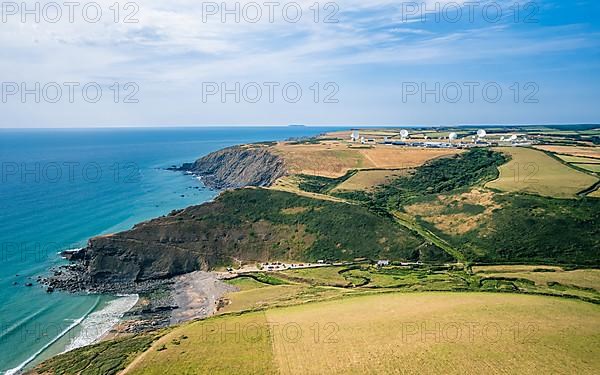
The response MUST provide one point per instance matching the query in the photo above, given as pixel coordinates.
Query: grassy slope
(106, 358)
(221, 345)
(535, 229)
(526, 228)
(517, 228)
(341, 231)
(386, 333)
(194, 345)
(253, 225)
(532, 171)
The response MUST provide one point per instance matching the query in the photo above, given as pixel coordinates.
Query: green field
(578, 159)
(532, 171)
(542, 275)
(246, 283)
(589, 167)
(319, 276)
(389, 333)
(370, 315)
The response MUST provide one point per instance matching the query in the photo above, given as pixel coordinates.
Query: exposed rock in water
(237, 166)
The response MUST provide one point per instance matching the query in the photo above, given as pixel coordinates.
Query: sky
(348, 62)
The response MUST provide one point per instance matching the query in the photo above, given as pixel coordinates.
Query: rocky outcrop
(196, 238)
(238, 166)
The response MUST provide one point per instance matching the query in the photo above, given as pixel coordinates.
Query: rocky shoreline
(161, 302)
(166, 276)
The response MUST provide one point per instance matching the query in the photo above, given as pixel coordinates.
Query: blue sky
(546, 62)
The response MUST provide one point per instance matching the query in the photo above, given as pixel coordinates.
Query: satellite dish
(426, 137)
(513, 137)
(452, 136)
(502, 138)
(404, 133)
(481, 133)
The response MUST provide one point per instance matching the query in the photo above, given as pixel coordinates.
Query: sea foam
(98, 323)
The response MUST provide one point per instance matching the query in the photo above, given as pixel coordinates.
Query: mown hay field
(532, 171)
(395, 333)
(212, 346)
(334, 159)
(578, 159)
(368, 179)
(591, 152)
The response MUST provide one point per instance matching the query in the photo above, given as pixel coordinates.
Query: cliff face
(196, 238)
(243, 225)
(238, 166)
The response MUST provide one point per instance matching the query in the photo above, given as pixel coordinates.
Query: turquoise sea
(59, 187)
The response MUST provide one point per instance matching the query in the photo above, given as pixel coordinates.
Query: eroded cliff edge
(242, 225)
(238, 166)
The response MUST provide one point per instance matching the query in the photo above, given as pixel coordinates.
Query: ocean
(59, 187)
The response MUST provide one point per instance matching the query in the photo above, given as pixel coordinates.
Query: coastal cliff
(244, 225)
(238, 166)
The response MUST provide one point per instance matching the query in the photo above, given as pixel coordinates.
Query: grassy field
(583, 278)
(319, 276)
(221, 345)
(334, 159)
(456, 214)
(246, 283)
(578, 159)
(373, 316)
(291, 184)
(532, 171)
(592, 152)
(106, 358)
(312, 284)
(389, 333)
(589, 167)
(367, 180)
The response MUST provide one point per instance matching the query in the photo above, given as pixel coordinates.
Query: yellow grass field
(532, 171)
(394, 333)
(585, 278)
(290, 184)
(456, 223)
(594, 194)
(334, 159)
(366, 180)
(578, 159)
(592, 152)
(211, 347)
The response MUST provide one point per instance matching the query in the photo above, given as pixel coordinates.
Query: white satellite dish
(452, 136)
(481, 133)
(513, 137)
(502, 138)
(404, 133)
